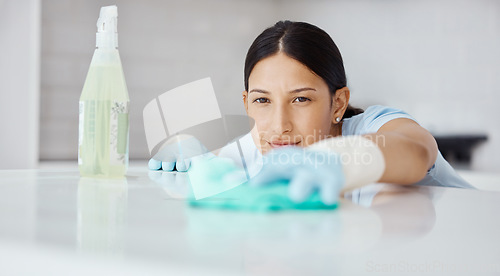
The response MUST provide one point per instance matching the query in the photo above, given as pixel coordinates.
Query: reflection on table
(143, 224)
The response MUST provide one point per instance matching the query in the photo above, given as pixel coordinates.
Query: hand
(180, 164)
(306, 170)
(177, 153)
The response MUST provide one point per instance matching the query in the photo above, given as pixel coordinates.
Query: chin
(264, 150)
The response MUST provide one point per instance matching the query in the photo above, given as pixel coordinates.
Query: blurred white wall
(19, 83)
(163, 44)
(438, 60)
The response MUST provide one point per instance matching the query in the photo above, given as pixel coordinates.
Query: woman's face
(289, 103)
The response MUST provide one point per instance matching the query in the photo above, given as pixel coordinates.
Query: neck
(336, 130)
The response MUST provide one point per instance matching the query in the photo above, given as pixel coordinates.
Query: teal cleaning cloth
(219, 183)
(260, 199)
(212, 176)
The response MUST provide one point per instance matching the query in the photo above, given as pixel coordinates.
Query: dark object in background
(457, 149)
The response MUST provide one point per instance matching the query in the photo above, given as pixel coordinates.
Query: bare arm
(409, 150)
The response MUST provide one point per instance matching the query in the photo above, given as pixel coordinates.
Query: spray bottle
(104, 104)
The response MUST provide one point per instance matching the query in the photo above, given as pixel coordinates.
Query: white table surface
(52, 222)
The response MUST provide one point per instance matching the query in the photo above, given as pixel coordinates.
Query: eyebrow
(293, 91)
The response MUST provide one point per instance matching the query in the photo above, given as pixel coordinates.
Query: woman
(296, 91)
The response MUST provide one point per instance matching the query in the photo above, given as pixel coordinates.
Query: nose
(282, 122)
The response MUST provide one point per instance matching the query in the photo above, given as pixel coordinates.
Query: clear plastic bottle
(104, 104)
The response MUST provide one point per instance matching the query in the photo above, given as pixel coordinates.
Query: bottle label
(118, 140)
(81, 113)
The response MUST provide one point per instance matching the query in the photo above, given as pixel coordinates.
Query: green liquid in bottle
(103, 124)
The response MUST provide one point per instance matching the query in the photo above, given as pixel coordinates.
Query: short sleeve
(372, 120)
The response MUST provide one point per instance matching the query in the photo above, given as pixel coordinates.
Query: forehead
(283, 71)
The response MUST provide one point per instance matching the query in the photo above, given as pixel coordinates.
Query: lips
(281, 143)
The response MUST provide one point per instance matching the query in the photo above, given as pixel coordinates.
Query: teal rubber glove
(306, 171)
(180, 164)
(177, 154)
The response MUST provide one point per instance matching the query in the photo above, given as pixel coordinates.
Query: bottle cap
(107, 34)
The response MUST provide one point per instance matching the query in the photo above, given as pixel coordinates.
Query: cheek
(261, 122)
(261, 118)
(315, 126)
(256, 139)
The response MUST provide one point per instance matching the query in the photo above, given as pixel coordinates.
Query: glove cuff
(362, 160)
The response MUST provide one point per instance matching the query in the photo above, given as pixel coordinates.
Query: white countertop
(52, 222)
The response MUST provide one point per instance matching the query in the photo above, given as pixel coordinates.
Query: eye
(261, 100)
(301, 99)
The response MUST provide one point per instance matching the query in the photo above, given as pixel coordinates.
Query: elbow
(421, 166)
(409, 161)
(425, 157)
(416, 165)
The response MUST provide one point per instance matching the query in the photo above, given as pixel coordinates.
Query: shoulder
(372, 119)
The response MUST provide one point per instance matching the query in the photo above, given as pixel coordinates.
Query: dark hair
(307, 44)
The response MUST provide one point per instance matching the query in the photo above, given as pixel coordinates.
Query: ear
(340, 101)
(245, 100)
